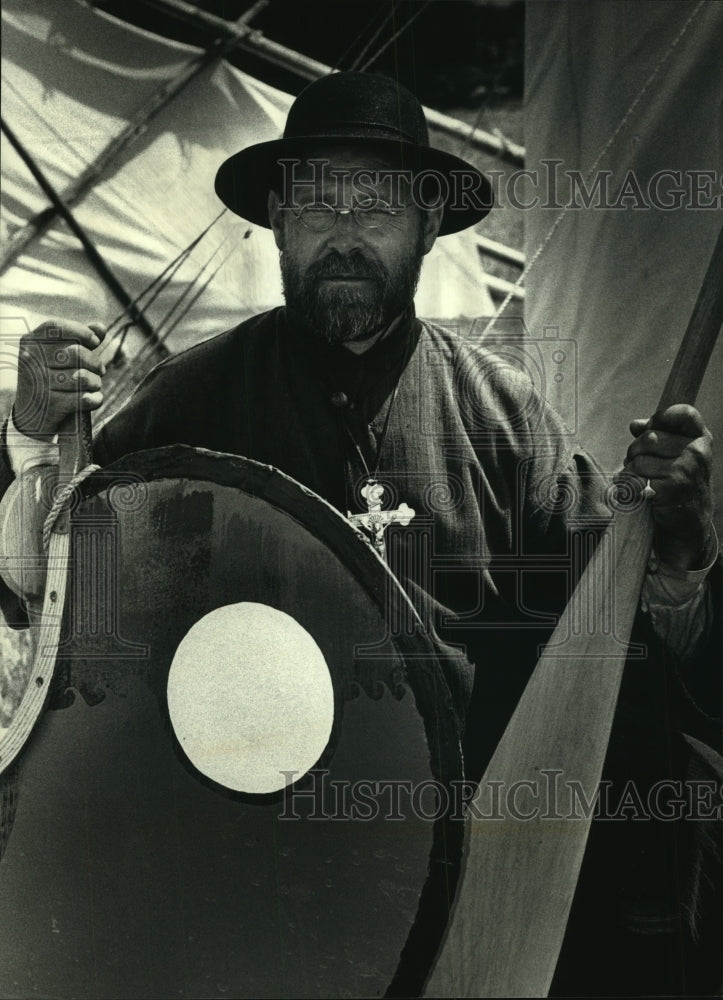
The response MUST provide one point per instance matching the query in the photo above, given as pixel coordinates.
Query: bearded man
(344, 388)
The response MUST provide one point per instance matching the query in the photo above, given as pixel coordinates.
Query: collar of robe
(366, 379)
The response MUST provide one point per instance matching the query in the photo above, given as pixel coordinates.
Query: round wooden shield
(242, 786)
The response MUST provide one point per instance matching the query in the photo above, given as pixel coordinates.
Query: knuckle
(699, 454)
(679, 477)
(92, 400)
(26, 354)
(67, 354)
(50, 326)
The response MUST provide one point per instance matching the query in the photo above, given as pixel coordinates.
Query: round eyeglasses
(319, 216)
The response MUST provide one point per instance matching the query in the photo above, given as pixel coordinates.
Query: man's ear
(276, 219)
(431, 221)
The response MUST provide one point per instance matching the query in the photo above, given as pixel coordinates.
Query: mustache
(353, 264)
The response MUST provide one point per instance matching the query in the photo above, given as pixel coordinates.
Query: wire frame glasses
(319, 216)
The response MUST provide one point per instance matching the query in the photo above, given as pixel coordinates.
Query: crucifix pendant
(374, 520)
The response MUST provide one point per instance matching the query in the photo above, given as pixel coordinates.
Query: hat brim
(244, 180)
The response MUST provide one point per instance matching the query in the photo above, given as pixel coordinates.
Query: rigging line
(172, 266)
(120, 386)
(405, 26)
(160, 282)
(621, 124)
(163, 279)
(197, 296)
(483, 105)
(145, 351)
(157, 285)
(122, 333)
(355, 40)
(380, 28)
(189, 286)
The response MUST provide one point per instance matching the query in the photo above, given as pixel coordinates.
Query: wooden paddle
(511, 911)
(22, 526)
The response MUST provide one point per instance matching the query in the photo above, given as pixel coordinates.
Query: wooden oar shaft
(510, 917)
(514, 899)
(76, 444)
(699, 340)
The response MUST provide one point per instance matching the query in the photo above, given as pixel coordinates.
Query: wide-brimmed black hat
(374, 112)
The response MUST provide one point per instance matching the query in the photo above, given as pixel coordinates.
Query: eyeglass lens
(319, 216)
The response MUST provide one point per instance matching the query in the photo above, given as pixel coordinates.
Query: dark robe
(507, 508)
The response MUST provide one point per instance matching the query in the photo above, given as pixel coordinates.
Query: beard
(348, 313)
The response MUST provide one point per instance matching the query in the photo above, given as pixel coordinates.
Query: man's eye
(373, 218)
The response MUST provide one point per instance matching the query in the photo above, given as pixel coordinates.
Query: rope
(377, 33)
(146, 351)
(161, 280)
(160, 283)
(475, 125)
(157, 285)
(178, 304)
(395, 36)
(623, 121)
(355, 41)
(63, 495)
(483, 105)
(192, 301)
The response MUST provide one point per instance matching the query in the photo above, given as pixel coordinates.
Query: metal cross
(375, 520)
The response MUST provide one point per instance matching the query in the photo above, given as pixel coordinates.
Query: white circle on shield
(250, 698)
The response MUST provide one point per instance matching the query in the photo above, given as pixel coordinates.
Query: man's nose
(346, 234)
